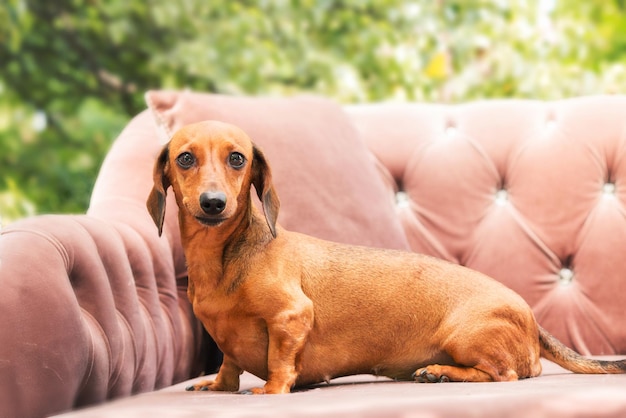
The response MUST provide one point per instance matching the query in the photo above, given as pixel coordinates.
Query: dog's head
(211, 166)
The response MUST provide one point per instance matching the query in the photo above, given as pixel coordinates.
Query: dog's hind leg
(443, 373)
(501, 359)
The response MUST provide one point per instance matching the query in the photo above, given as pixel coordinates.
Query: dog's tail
(555, 351)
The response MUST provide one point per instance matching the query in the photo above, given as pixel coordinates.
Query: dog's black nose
(213, 203)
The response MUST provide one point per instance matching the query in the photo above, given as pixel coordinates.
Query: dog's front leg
(227, 379)
(288, 333)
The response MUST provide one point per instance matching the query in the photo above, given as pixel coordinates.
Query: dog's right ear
(156, 199)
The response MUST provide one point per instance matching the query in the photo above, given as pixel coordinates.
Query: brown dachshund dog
(296, 310)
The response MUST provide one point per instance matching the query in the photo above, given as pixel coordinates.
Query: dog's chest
(239, 335)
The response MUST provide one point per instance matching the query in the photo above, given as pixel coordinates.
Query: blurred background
(73, 72)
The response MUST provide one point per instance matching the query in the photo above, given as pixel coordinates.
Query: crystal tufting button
(566, 276)
(450, 130)
(502, 197)
(402, 200)
(608, 189)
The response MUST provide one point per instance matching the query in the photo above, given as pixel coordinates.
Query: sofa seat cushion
(557, 393)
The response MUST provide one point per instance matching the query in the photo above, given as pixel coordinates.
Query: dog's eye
(185, 160)
(236, 160)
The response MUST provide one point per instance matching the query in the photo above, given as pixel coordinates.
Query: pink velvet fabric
(94, 306)
(531, 193)
(557, 393)
(90, 308)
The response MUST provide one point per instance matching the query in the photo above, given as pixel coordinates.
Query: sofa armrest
(89, 310)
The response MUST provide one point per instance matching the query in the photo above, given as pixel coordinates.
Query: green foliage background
(72, 72)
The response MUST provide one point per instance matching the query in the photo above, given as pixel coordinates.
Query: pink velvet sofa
(93, 307)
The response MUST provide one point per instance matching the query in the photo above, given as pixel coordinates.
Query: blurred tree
(72, 72)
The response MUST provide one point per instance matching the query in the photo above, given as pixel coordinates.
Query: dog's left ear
(156, 199)
(262, 180)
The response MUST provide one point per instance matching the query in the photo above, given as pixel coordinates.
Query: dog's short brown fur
(296, 310)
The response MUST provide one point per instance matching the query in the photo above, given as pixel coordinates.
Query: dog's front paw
(264, 391)
(268, 389)
(430, 374)
(205, 385)
(253, 391)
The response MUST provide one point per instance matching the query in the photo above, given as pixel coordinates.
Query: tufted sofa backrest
(531, 193)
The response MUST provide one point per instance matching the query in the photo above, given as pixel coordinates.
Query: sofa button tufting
(608, 189)
(502, 197)
(402, 200)
(566, 276)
